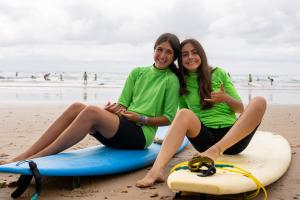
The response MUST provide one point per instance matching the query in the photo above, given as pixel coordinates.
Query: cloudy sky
(257, 36)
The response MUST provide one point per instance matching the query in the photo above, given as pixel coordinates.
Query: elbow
(167, 122)
(240, 108)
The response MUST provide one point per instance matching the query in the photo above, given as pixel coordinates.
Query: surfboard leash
(207, 167)
(24, 181)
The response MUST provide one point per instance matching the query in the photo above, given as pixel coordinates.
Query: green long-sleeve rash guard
(220, 115)
(151, 92)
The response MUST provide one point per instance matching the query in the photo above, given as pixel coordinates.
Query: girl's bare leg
(60, 124)
(250, 118)
(91, 117)
(185, 123)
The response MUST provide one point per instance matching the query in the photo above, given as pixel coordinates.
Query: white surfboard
(267, 157)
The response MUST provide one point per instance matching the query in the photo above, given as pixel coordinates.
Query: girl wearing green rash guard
(149, 99)
(207, 117)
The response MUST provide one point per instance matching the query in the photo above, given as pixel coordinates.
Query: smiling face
(190, 57)
(163, 55)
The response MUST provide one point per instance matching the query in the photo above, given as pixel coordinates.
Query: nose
(163, 53)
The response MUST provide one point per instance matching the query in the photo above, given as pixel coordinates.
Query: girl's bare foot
(3, 162)
(150, 179)
(213, 152)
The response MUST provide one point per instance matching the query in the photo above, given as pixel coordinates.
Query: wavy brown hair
(204, 74)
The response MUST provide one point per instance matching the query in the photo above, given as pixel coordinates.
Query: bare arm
(149, 121)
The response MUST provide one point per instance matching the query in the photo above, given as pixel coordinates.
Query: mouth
(191, 63)
(161, 62)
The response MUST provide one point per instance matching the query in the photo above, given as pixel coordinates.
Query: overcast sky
(253, 36)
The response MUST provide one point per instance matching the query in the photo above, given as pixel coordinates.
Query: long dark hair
(204, 74)
(175, 44)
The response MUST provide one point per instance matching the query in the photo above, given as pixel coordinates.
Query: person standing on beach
(149, 99)
(207, 117)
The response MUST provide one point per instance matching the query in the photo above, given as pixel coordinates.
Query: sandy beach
(21, 124)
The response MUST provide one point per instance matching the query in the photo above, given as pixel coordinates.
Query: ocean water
(101, 87)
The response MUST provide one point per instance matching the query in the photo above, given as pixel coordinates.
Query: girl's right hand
(114, 108)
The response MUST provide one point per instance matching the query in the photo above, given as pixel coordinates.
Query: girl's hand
(114, 108)
(131, 116)
(218, 97)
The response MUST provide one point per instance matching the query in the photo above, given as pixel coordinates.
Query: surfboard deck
(97, 160)
(267, 157)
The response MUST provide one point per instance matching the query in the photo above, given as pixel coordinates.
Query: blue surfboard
(97, 160)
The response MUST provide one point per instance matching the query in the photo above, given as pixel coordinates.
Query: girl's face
(163, 55)
(190, 57)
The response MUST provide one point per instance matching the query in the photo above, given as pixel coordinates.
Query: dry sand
(21, 124)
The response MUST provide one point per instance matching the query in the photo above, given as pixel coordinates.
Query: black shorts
(209, 136)
(128, 136)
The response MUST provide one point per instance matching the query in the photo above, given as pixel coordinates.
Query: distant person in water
(46, 77)
(271, 80)
(249, 79)
(85, 78)
(149, 99)
(207, 116)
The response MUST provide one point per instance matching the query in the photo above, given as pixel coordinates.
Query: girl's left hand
(218, 97)
(131, 116)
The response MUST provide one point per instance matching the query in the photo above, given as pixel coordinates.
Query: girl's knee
(184, 112)
(92, 112)
(92, 109)
(77, 106)
(186, 115)
(260, 103)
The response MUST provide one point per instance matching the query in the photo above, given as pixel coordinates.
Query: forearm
(236, 105)
(155, 121)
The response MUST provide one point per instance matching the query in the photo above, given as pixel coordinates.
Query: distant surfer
(249, 79)
(85, 78)
(271, 80)
(46, 77)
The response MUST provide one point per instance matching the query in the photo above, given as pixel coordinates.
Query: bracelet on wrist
(143, 120)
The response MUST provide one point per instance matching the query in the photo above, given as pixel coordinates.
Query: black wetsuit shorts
(128, 136)
(209, 136)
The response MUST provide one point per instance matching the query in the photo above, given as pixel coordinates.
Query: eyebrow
(189, 51)
(171, 50)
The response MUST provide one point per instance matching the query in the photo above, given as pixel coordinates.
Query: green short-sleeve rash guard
(220, 115)
(151, 92)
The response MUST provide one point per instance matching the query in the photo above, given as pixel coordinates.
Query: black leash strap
(24, 181)
(204, 165)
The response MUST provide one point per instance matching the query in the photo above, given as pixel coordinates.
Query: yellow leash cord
(230, 168)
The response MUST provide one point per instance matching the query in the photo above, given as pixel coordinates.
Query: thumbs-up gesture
(218, 97)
